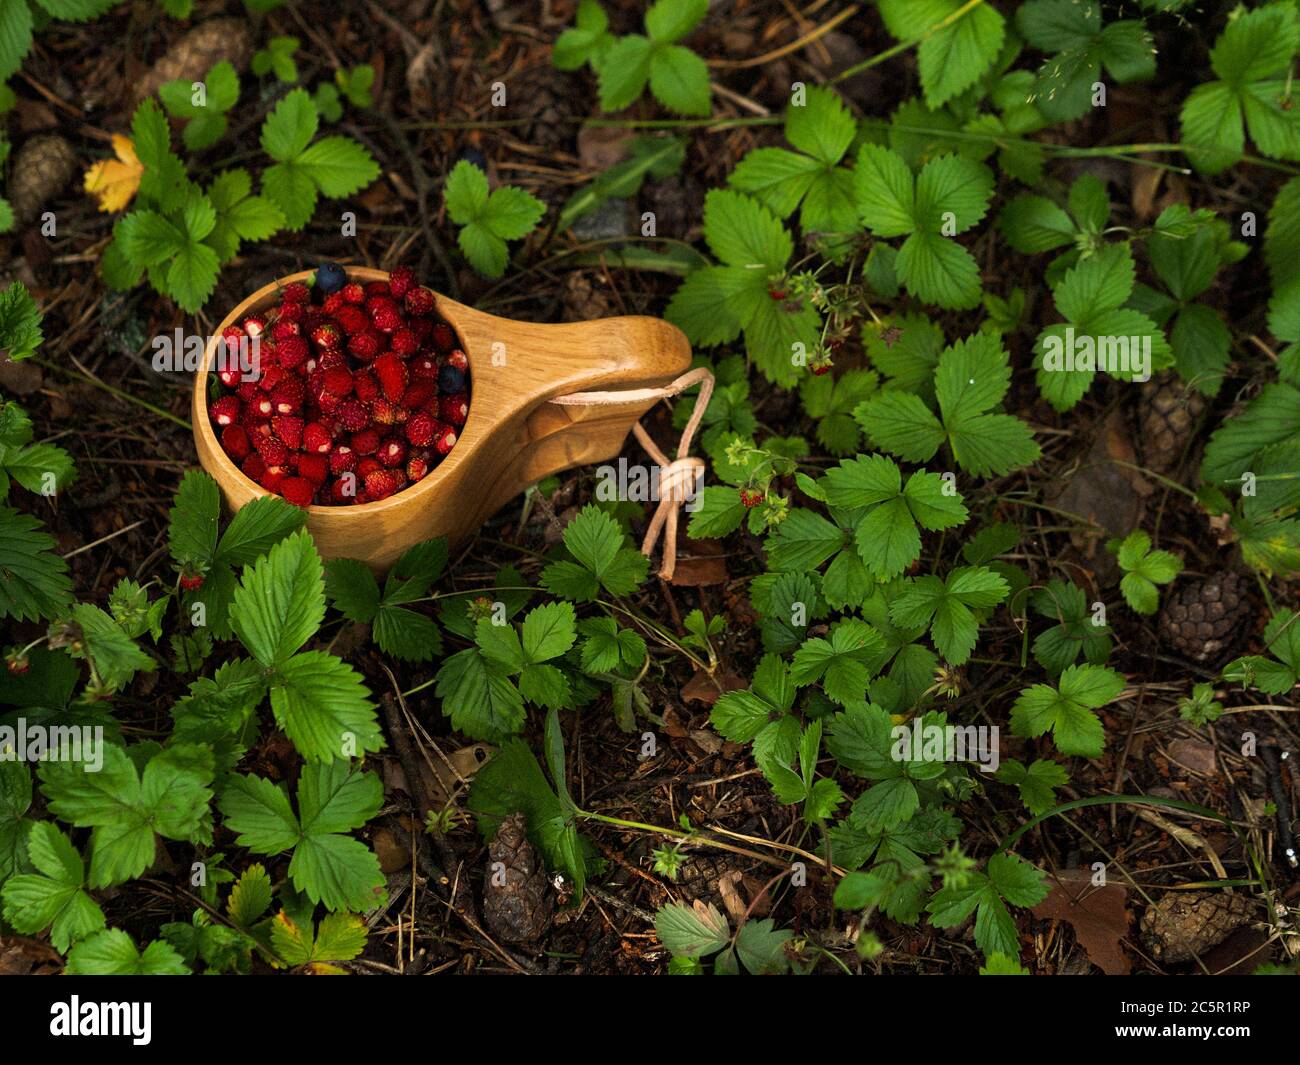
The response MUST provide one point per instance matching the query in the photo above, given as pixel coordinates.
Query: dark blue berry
(451, 379)
(330, 277)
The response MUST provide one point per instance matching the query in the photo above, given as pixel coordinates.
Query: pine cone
(1168, 417)
(517, 897)
(1203, 620)
(540, 96)
(1185, 924)
(199, 51)
(41, 171)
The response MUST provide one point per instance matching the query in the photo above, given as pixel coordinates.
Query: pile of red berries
(362, 390)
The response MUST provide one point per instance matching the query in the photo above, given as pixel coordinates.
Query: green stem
(903, 46)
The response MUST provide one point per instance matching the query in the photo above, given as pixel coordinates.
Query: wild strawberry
(191, 579)
(288, 429)
(313, 467)
(392, 376)
(297, 490)
(416, 469)
(333, 303)
(365, 442)
(450, 379)
(292, 352)
(424, 368)
(234, 438)
(225, 411)
(387, 318)
(376, 288)
(291, 312)
(254, 467)
(332, 360)
(352, 319)
(403, 343)
(273, 450)
(382, 483)
(344, 490)
(354, 292)
(420, 394)
(327, 336)
(260, 408)
(288, 396)
(367, 466)
(392, 452)
(443, 338)
(421, 327)
(328, 402)
(353, 415)
(230, 375)
(385, 412)
(458, 359)
(271, 376)
(365, 385)
(420, 300)
(295, 292)
(342, 458)
(315, 437)
(778, 294)
(454, 408)
(283, 329)
(365, 346)
(401, 281)
(751, 497)
(17, 662)
(254, 325)
(273, 478)
(421, 429)
(337, 381)
(445, 440)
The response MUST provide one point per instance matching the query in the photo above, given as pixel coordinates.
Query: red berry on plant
(751, 497)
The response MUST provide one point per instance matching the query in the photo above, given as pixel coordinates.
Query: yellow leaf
(114, 181)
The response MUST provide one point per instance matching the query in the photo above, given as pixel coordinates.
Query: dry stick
(794, 46)
(459, 899)
(422, 184)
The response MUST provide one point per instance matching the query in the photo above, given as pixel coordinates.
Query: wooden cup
(512, 438)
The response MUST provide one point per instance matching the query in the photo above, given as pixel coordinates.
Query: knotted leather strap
(677, 478)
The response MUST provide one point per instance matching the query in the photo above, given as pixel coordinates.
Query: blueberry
(330, 277)
(473, 155)
(451, 379)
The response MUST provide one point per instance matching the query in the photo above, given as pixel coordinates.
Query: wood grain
(513, 437)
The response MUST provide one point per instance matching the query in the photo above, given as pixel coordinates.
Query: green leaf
(290, 127)
(126, 809)
(324, 707)
(1067, 711)
(112, 953)
(596, 541)
(1037, 783)
(692, 932)
(957, 43)
(338, 166)
(327, 865)
(840, 662)
(478, 697)
(679, 79)
(20, 323)
(280, 602)
(15, 35)
(624, 71)
(53, 897)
